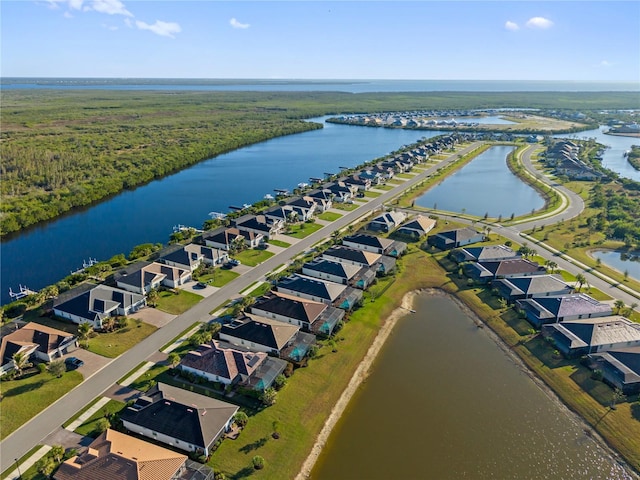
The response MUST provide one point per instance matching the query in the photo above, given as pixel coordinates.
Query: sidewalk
(28, 463)
(85, 416)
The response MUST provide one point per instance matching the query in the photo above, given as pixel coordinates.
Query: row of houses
(563, 156)
(412, 119)
(282, 326)
(576, 323)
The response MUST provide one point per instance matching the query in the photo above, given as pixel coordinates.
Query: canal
(443, 402)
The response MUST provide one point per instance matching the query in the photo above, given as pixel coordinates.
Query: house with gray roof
(490, 253)
(458, 237)
(261, 334)
(151, 276)
(100, 302)
(375, 244)
(316, 317)
(323, 199)
(576, 306)
(189, 257)
(580, 337)
(387, 221)
(260, 225)
(516, 288)
(182, 419)
(310, 288)
(303, 207)
(515, 267)
(332, 271)
(620, 368)
(341, 192)
(225, 238)
(416, 228)
(351, 256)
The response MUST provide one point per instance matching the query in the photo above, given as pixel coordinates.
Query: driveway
(67, 439)
(92, 361)
(154, 317)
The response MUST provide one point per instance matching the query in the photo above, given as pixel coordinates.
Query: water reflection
(621, 261)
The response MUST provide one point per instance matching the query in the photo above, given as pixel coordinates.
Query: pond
(621, 261)
(484, 186)
(444, 402)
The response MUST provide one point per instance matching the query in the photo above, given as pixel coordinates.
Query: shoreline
(360, 374)
(363, 370)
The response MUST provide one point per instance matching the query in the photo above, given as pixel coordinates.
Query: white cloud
(605, 64)
(164, 29)
(67, 14)
(110, 7)
(128, 22)
(75, 4)
(109, 27)
(513, 26)
(236, 24)
(539, 22)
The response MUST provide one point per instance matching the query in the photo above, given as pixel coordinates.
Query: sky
(585, 41)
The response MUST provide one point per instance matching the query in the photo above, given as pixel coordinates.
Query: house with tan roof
(416, 228)
(179, 418)
(37, 341)
(152, 276)
(116, 456)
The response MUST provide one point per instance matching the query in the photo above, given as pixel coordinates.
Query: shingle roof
(291, 307)
(369, 240)
(32, 334)
(489, 252)
(513, 266)
(614, 330)
(626, 361)
(261, 331)
(420, 224)
(338, 269)
(459, 234)
(534, 284)
(116, 456)
(575, 304)
(352, 254)
(223, 360)
(98, 301)
(312, 286)
(180, 414)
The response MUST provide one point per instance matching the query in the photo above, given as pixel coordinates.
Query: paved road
(32, 433)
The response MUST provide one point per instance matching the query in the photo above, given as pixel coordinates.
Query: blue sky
(477, 40)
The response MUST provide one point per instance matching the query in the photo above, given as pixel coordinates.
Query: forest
(63, 149)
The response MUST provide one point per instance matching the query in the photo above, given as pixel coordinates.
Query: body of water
(443, 402)
(45, 254)
(284, 85)
(613, 157)
(621, 261)
(484, 185)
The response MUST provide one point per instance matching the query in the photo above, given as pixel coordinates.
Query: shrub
(269, 396)
(241, 419)
(280, 381)
(41, 367)
(258, 462)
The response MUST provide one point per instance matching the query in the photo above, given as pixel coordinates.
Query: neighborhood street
(32, 433)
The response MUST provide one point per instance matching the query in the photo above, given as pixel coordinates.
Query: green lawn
(115, 343)
(371, 194)
(384, 187)
(25, 475)
(329, 216)
(88, 428)
(260, 290)
(25, 398)
(220, 278)
(302, 230)
(177, 303)
(345, 206)
(253, 257)
(404, 176)
(278, 243)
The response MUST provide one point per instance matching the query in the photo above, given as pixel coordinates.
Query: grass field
(25, 398)
(88, 428)
(116, 343)
(220, 278)
(278, 243)
(253, 257)
(345, 206)
(370, 194)
(177, 303)
(303, 230)
(329, 216)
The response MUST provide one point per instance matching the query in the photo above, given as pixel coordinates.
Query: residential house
(455, 238)
(352, 256)
(303, 207)
(95, 305)
(152, 276)
(331, 293)
(372, 243)
(210, 256)
(620, 368)
(576, 306)
(116, 456)
(35, 341)
(260, 225)
(279, 214)
(262, 334)
(516, 288)
(375, 178)
(181, 257)
(316, 317)
(228, 364)
(387, 221)
(342, 192)
(323, 199)
(490, 253)
(182, 419)
(363, 184)
(580, 337)
(227, 238)
(416, 228)
(332, 271)
(515, 267)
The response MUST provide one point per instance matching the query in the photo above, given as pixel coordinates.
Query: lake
(484, 185)
(621, 261)
(443, 402)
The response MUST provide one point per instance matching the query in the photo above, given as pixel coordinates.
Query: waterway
(443, 402)
(613, 157)
(45, 254)
(484, 186)
(621, 261)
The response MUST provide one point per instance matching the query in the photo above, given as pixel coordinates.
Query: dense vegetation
(64, 149)
(634, 157)
(619, 217)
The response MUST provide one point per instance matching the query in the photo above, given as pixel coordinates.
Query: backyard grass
(25, 398)
(177, 303)
(115, 343)
(303, 230)
(253, 257)
(329, 216)
(280, 243)
(89, 427)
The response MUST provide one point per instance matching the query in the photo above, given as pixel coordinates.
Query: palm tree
(20, 362)
(580, 280)
(619, 305)
(84, 330)
(553, 266)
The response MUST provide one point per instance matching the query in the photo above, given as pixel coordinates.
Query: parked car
(233, 262)
(73, 362)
